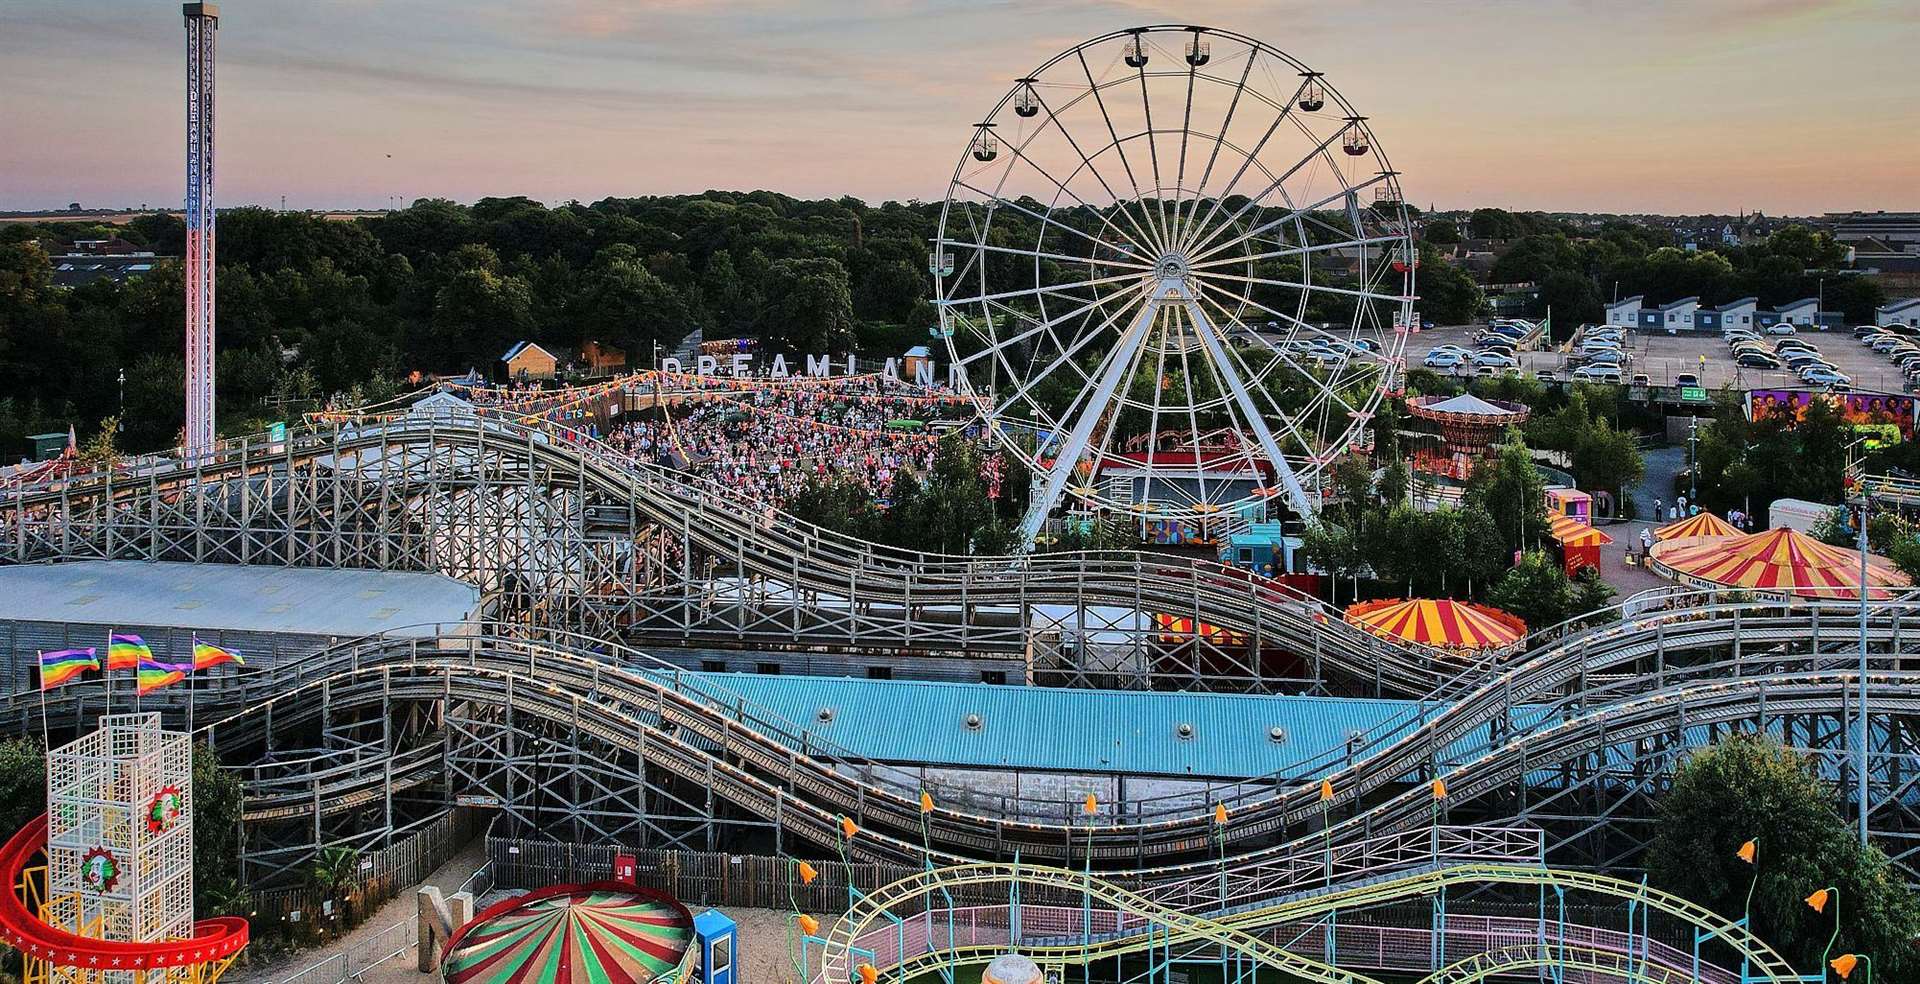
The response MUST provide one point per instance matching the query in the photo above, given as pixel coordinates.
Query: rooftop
(1050, 729)
(230, 597)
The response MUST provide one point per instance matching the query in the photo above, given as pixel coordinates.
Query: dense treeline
(310, 307)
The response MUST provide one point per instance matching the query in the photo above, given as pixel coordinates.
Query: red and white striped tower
(203, 19)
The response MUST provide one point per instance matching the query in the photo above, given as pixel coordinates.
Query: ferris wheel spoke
(1246, 164)
(1242, 415)
(1220, 139)
(1204, 250)
(1087, 165)
(1343, 291)
(1308, 327)
(1000, 202)
(1066, 356)
(1153, 154)
(1020, 155)
(1158, 241)
(1034, 291)
(1292, 419)
(1294, 251)
(1039, 327)
(1068, 257)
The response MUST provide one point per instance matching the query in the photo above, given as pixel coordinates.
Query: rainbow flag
(126, 652)
(155, 674)
(62, 665)
(206, 655)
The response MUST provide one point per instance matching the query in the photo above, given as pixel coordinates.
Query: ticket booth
(626, 868)
(713, 939)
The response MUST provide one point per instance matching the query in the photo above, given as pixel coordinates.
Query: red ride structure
(57, 953)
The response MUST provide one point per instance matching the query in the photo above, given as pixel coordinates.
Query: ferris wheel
(1176, 271)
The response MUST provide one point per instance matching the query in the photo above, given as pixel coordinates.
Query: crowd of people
(768, 443)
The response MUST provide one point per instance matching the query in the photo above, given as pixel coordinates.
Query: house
(529, 361)
(602, 359)
(1670, 317)
(916, 357)
(1905, 312)
(1733, 314)
(1625, 311)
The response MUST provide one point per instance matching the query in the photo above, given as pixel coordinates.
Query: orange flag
(807, 873)
(1748, 852)
(926, 802)
(1326, 790)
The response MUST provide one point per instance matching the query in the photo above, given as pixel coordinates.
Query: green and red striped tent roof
(603, 933)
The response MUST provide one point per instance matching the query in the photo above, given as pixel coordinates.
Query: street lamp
(1844, 964)
(120, 414)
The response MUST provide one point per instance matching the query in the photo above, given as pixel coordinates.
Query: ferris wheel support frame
(1170, 291)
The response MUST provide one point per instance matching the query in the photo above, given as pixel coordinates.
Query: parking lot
(1662, 356)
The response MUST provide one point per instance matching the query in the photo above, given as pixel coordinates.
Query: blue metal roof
(1080, 731)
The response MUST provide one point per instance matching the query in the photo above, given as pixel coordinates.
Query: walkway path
(371, 939)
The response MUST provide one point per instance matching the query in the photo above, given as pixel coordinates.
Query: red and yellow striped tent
(1781, 561)
(1698, 525)
(1455, 626)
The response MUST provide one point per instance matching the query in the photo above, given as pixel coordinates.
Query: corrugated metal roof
(229, 596)
(1050, 729)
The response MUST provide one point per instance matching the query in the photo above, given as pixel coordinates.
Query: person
(1682, 502)
(1693, 510)
(1673, 512)
(1646, 541)
(1659, 508)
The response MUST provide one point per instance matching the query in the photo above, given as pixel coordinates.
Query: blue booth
(713, 933)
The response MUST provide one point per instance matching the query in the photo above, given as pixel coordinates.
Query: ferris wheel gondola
(1162, 284)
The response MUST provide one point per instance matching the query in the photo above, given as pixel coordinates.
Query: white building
(1905, 312)
(1625, 311)
(1800, 312)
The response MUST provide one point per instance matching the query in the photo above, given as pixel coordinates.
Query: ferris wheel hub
(1172, 265)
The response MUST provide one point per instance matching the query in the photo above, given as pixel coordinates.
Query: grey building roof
(230, 597)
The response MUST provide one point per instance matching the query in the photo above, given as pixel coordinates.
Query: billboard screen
(1877, 410)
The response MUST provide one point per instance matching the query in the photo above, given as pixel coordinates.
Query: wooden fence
(382, 875)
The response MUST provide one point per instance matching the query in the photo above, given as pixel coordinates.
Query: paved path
(372, 938)
(1662, 464)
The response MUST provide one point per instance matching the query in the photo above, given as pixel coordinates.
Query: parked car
(1597, 374)
(1606, 358)
(1756, 360)
(1887, 343)
(1442, 360)
(1686, 379)
(1732, 333)
(1862, 331)
(1641, 379)
(1825, 376)
(1794, 343)
(1783, 328)
(1498, 360)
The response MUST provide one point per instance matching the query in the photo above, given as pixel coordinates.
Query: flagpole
(46, 739)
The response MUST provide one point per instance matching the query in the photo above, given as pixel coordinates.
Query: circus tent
(1698, 525)
(605, 932)
(1441, 624)
(1780, 561)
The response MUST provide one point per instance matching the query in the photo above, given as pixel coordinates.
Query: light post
(120, 413)
(1693, 459)
(1818, 903)
(1860, 732)
(1844, 964)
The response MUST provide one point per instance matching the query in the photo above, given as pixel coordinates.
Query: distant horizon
(1636, 107)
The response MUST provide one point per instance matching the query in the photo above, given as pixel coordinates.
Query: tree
(808, 306)
(478, 315)
(1536, 590)
(1510, 490)
(218, 802)
(1441, 232)
(1750, 788)
(1607, 459)
(1448, 295)
(23, 782)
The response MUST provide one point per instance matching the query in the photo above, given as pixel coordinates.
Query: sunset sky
(1788, 106)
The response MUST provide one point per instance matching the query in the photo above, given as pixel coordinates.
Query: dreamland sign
(742, 365)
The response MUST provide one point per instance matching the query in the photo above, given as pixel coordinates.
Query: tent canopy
(1441, 624)
(1701, 524)
(605, 932)
(1570, 532)
(1779, 561)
